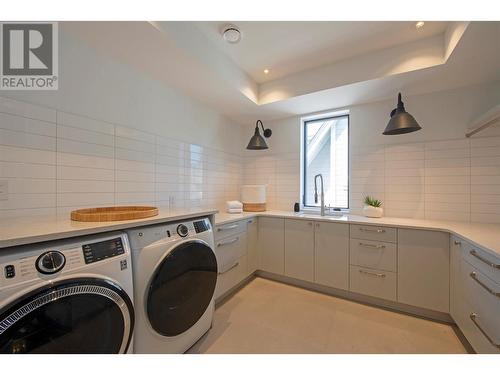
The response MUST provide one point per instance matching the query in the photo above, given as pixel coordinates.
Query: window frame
(303, 156)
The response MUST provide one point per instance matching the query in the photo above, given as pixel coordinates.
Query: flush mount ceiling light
(401, 122)
(257, 142)
(266, 71)
(231, 34)
(419, 24)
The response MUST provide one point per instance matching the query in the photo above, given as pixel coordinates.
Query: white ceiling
(325, 65)
(290, 47)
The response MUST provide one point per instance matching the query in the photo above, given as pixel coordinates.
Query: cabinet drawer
(375, 283)
(229, 250)
(226, 230)
(472, 325)
(373, 254)
(484, 262)
(482, 296)
(374, 233)
(231, 277)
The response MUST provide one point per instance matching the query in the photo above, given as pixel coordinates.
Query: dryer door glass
(182, 288)
(74, 316)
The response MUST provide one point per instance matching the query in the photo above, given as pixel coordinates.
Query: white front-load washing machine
(71, 296)
(175, 273)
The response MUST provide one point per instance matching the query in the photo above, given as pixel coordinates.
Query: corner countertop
(26, 230)
(485, 236)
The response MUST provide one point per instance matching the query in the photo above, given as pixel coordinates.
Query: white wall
(433, 173)
(111, 135)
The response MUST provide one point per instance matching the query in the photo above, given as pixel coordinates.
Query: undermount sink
(333, 215)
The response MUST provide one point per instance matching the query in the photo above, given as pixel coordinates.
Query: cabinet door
(424, 269)
(299, 249)
(271, 244)
(455, 289)
(252, 246)
(331, 253)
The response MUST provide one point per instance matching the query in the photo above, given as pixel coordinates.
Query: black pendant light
(257, 142)
(401, 122)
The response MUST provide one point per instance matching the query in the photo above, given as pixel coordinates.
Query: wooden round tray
(114, 213)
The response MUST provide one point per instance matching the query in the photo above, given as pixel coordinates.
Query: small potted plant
(372, 207)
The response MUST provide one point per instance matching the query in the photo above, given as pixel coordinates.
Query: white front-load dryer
(67, 297)
(175, 274)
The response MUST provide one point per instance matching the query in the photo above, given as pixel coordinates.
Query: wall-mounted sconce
(401, 122)
(257, 142)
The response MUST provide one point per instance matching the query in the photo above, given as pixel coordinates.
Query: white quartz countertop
(26, 230)
(485, 236)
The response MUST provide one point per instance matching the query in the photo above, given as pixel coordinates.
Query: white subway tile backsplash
(74, 161)
(27, 155)
(86, 123)
(27, 125)
(76, 134)
(81, 186)
(87, 161)
(83, 148)
(82, 173)
(84, 199)
(15, 107)
(25, 170)
(82, 162)
(27, 140)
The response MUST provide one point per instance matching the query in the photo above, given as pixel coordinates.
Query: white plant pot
(370, 211)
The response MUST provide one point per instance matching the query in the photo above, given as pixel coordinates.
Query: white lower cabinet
(231, 252)
(271, 244)
(375, 283)
(424, 269)
(455, 256)
(299, 249)
(475, 297)
(331, 254)
(231, 277)
(252, 246)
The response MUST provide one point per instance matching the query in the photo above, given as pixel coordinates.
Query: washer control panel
(182, 230)
(96, 251)
(49, 260)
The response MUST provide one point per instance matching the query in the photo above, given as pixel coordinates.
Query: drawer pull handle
(228, 242)
(458, 243)
(227, 228)
(250, 221)
(473, 275)
(484, 260)
(230, 268)
(372, 246)
(372, 273)
(372, 230)
(473, 317)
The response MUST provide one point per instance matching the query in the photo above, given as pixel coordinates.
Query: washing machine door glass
(72, 316)
(181, 288)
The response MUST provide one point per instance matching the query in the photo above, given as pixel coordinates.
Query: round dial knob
(50, 262)
(182, 230)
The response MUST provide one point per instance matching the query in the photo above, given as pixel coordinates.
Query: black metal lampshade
(257, 142)
(401, 122)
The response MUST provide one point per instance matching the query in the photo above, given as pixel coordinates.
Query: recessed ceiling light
(231, 34)
(266, 71)
(419, 24)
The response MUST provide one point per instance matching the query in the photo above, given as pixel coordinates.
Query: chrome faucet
(322, 193)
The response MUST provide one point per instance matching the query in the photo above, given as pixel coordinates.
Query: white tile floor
(271, 317)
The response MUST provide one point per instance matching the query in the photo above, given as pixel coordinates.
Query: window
(326, 150)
